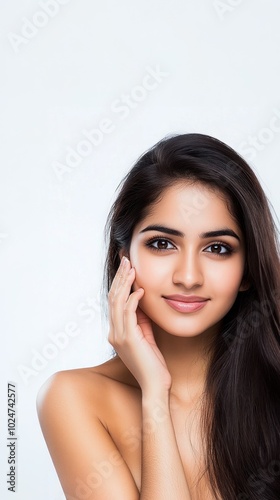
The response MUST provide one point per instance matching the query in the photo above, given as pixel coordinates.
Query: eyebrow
(174, 232)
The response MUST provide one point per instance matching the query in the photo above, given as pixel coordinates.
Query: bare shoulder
(88, 385)
(76, 410)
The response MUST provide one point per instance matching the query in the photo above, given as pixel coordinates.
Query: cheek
(144, 278)
(140, 273)
(228, 281)
(149, 272)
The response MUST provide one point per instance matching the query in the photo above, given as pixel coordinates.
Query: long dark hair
(241, 415)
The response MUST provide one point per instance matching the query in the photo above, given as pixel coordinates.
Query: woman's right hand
(132, 336)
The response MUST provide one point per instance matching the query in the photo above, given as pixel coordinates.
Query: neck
(187, 359)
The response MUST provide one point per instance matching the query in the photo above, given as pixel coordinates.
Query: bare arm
(163, 476)
(86, 459)
(131, 335)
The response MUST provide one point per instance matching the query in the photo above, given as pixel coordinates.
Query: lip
(185, 303)
(185, 298)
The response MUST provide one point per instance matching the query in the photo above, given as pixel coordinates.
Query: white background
(217, 66)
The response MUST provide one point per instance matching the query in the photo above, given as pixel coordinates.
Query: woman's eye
(220, 249)
(160, 244)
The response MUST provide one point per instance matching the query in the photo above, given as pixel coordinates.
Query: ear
(245, 285)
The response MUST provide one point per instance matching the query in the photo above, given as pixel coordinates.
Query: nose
(187, 270)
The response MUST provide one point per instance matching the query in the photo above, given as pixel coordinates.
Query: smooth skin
(129, 428)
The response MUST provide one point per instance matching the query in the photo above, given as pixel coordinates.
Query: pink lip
(186, 298)
(184, 303)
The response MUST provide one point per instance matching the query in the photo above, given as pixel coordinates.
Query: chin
(179, 332)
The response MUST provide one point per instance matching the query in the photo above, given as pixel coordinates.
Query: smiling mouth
(185, 306)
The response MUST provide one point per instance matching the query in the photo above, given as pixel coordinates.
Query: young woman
(189, 406)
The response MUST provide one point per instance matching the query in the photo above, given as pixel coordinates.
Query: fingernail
(124, 261)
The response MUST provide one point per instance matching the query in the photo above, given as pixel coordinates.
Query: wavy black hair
(241, 414)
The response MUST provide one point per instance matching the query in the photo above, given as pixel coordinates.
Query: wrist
(156, 415)
(153, 398)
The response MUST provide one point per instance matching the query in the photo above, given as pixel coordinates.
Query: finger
(118, 300)
(130, 320)
(117, 276)
(122, 277)
(121, 295)
(112, 297)
(118, 283)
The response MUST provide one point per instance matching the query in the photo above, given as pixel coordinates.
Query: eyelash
(158, 238)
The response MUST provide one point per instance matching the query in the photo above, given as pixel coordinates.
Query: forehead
(190, 205)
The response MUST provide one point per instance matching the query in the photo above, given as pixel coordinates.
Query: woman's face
(179, 260)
